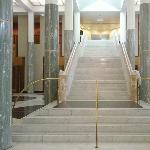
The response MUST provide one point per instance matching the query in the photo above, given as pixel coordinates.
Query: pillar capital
(51, 2)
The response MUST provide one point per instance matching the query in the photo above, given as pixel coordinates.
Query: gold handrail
(30, 85)
(145, 78)
(97, 111)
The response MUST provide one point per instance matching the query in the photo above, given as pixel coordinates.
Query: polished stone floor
(102, 104)
(81, 146)
(24, 111)
(26, 104)
(22, 98)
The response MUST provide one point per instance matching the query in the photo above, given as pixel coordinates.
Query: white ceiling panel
(41, 2)
(99, 5)
(100, 17)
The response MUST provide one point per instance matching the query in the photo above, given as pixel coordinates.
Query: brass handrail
(30, 85)
(145, 78)
(97, 112)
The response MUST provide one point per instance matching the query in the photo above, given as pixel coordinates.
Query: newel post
(62, 87)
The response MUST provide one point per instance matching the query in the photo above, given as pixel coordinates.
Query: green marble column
(51, 66)
(145, 51)
(131, 46)
(30, 66)
(30, 52)
(130, 42)
(5, 73)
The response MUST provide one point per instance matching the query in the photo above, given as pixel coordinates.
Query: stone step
(103, 95)
(94, 76)
(100, 60)
(99, 70)
(74, 137)
(102, 49)
(99, 65)
(97, 54)
(86, 119)
(78, 86)
(99, 44)
(101, 81)
(87, 128)
(91, 112)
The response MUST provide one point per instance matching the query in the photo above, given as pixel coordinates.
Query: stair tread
(84, 124)
(81, 133)
(83, 116)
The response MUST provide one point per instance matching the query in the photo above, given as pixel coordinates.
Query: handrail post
(97, 109)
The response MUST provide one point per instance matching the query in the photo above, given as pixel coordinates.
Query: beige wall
(39, 53)
(23, 39)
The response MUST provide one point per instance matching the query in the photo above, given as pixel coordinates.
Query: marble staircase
(78, 125)
(99, 61)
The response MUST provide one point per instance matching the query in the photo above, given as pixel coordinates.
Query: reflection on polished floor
(102, 104)
(26, 104)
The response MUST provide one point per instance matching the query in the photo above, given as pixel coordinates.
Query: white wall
(123, 26)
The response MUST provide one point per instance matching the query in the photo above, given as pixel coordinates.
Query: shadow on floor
(24, 111)
(21, 112)
(102, 104)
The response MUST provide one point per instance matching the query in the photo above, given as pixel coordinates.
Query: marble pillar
(123, 26)
(68, 33)
(131, 46)
(5, 73)
(145, 51)
(68, 44)
(130, 42)
(30, 52)
(77, 26)
(51, 66)
(30, 66)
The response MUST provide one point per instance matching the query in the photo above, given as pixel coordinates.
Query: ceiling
(106, 11)
(100, 17)
(95, 5)
(38, 2)
(92, 11)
